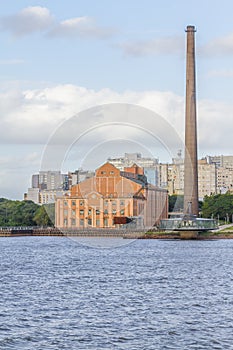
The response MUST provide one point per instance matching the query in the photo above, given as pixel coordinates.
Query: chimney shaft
(190, 164)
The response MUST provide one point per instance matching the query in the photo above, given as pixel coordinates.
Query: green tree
(17, 213)
(176, 203)
(220, 205)
(44, 215)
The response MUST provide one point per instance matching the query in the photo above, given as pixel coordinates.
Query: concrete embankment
(19, 232)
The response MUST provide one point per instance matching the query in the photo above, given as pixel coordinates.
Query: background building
(48, 185)
(224, 179)
(221, 161)
(150, 165)
(224, 172)
(207, 176)
(215, 175)
(33, 194)
(51, 180)
(35, 181)
(170, 176)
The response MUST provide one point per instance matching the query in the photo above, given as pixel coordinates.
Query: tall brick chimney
(190, 163)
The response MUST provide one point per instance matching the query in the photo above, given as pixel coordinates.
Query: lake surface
(150, 294)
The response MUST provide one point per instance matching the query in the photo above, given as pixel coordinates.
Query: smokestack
(190, 163)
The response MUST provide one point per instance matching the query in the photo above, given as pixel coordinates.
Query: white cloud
(219, 46)
(222, 73)
(30, 117)
(215, 124)
(27, 21)
(176, 45)
(11, 62)
(83, 27)
(39, 19)
(158, 46)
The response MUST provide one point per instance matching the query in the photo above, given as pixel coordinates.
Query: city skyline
(59, 60)
(215, 176)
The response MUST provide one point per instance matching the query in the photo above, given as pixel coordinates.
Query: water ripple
(149, 295)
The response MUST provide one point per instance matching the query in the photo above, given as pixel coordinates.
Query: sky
(61, 59)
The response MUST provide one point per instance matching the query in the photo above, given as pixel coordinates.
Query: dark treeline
(217, 206)
(176, 203)
(25, 213)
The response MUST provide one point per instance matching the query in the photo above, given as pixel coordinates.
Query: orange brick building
(110, 199)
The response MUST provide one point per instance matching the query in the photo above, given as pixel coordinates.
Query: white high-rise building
(150, 165)
(221, 161)
(51, 180)
(35, 181)
(33, 195)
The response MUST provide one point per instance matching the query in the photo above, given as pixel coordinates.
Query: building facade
(224, 179)
(44, 196)
(48, 185)
(207, 178)
(221, 161)
(111, 199)
(51, 180)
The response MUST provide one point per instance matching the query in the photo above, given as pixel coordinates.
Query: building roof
(109, 182)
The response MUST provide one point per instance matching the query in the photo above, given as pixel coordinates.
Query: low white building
(33, 194)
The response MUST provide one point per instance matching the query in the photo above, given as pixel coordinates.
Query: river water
(150, 294)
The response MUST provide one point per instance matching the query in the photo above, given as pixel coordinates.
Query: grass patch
(227, 229)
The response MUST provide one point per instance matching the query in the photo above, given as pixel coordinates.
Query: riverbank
(176, 235)
(225, 233)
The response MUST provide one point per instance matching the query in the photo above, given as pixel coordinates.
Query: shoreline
(176, 236)
(27, 232)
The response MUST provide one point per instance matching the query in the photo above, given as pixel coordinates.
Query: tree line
(25, 213)
(219, 206)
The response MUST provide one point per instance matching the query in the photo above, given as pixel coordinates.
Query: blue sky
(60, 57)
(102, 62)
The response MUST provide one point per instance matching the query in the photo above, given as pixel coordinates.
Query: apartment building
(224, 179)
(150, 165)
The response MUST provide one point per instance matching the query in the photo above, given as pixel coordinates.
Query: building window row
(81, 212)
